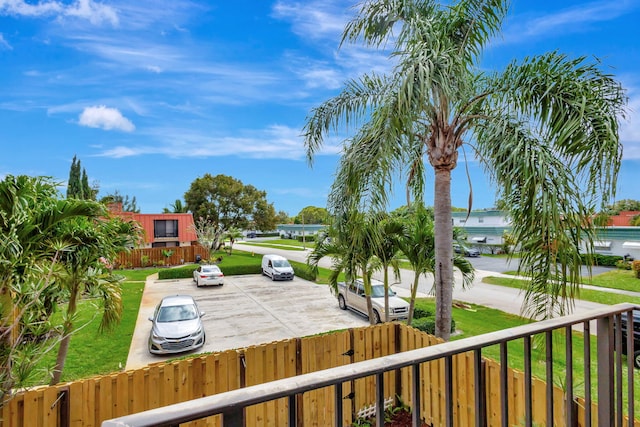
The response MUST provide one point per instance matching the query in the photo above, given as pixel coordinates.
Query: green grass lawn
(615, 279)
(92, 353)
(477, 320)
(288, 244)
(602, 297)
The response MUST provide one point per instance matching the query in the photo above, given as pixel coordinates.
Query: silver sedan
(177, 326)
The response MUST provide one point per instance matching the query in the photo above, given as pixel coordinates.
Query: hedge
(187, 271)
(301, 270)
(603, 260)
(428, 324)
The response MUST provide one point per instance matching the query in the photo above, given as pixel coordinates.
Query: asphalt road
(246, 310)
(499, 297)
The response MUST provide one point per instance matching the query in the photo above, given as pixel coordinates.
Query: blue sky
(151, 95)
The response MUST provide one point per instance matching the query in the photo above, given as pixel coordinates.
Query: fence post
(398, 373)
(606, 410)
(299, 400)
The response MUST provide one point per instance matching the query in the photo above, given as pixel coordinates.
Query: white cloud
(574, 19)
(96, 13)
(630, 128)
(89, 10)
(105, 118)
(314, 19)
(4, 44)
(272, 142)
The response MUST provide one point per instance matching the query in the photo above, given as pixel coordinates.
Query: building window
(480, 220)
(462, 221)
(165, 228)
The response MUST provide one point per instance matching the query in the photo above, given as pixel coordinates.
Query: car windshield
(280, 263)
(209, 270)
(377, 291)
(176, 313)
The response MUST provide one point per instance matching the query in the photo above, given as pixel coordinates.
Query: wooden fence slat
(50, 407)
(76, 403)
(148, 257)
(32, 414)
(139, 399)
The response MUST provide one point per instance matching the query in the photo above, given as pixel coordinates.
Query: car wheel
(341, 302)
(197, 283)
(273, 277)
(636, 359)
(376, 317)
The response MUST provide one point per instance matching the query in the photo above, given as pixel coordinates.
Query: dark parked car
(177, 326)
(467, 251)
(636, 337)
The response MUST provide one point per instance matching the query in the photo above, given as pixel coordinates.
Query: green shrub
(603, 260)
(428, 324)
(236, 270)
(303, 271)
(309, 238)
(419, 313)
(635, 265)
(623, 265)
(185, 272)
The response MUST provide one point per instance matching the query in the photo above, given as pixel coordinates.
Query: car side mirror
(202, 313)
(151, 318)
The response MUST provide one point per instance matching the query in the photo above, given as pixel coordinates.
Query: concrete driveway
(247, 310)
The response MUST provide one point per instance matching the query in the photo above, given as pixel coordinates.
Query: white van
(277, 267)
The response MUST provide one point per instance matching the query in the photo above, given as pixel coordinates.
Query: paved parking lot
(247, 310)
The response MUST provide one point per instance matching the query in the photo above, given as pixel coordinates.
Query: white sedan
(208, 275)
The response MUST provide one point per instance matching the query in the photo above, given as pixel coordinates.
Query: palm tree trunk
(66, 337)
(386, 293)
(414, 292)
(367, 294)
(443, 234)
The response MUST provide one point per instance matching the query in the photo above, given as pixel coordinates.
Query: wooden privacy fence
(89, 402)
(150, 257)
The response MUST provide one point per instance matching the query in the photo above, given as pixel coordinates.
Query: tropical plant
(232, 234)
(31, 210)
(175, 207)
(86, 266)
(387, 250)
(418, 246)
(546, 130)
(350, 242)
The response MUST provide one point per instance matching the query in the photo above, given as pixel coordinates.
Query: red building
(164, 230)
(623, 219)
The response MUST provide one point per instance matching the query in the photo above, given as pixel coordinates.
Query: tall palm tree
(545, 130)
